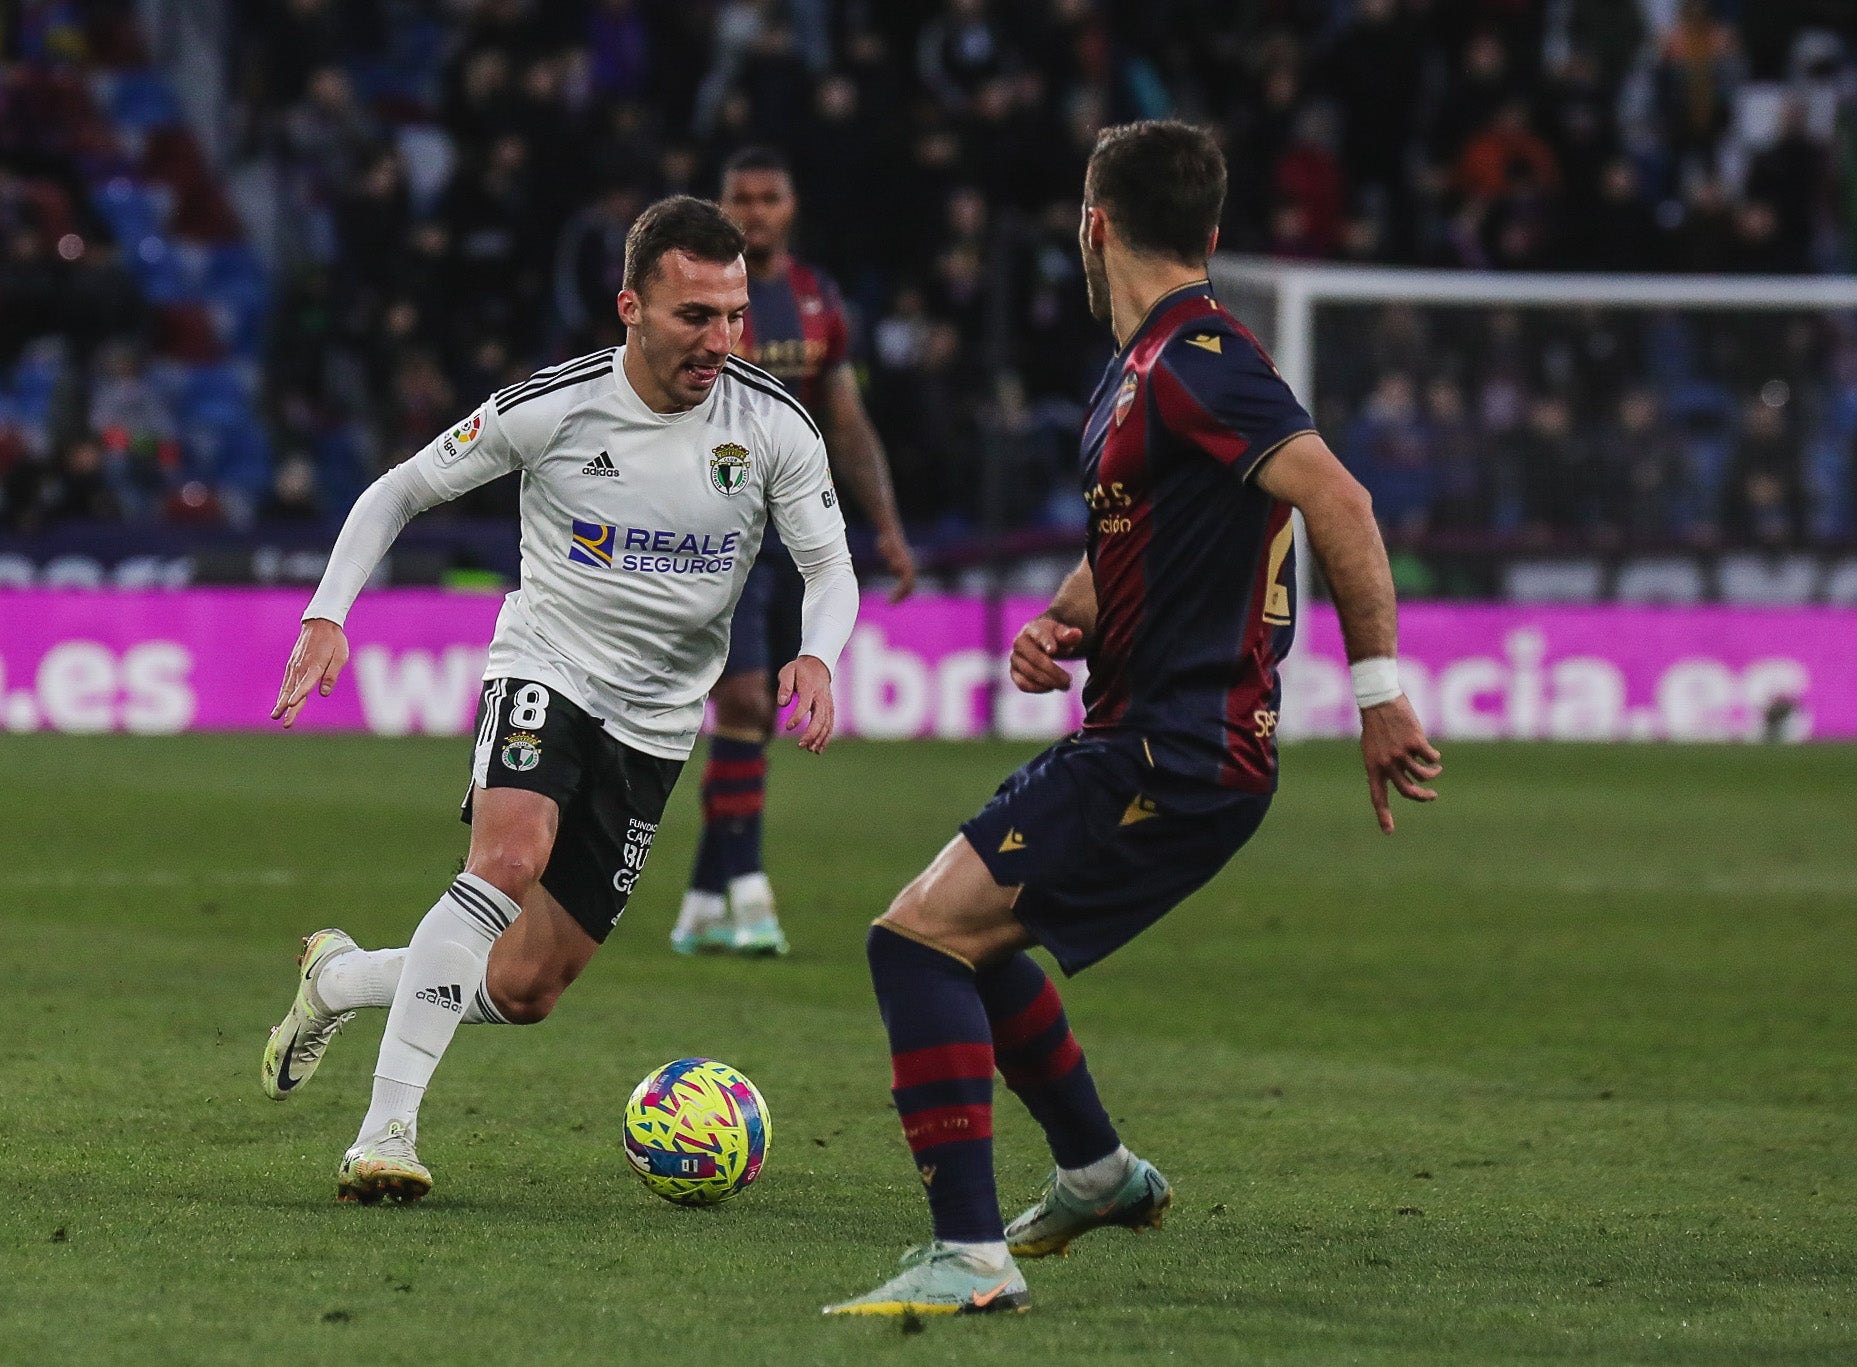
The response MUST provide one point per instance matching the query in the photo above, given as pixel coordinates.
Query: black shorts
(1103, 844)
(765, 633)
(611, 796)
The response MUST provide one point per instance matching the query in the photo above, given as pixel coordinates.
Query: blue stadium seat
(143, 100)
(132, 210)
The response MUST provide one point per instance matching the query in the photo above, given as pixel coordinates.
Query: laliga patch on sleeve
(458, 441)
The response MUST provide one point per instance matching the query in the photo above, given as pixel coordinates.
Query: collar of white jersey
(635, 405)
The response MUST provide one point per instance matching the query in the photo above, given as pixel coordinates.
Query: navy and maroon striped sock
(734, 793)
(1041, 1062)
(941, 1057)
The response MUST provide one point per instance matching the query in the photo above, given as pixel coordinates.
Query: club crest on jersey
(1125, 397)
(728, 468)
(521, 751)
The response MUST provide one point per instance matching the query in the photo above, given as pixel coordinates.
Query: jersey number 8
(531, 709)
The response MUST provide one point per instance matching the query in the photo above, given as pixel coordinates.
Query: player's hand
(807, 684)
(1040, 643)
(322, 650)
(1395, 750)
(899, 560)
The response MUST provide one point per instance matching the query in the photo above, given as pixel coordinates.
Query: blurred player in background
(1194, 453)
(796, 330)
(649, 474)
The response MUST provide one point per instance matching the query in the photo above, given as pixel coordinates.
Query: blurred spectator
(1793, 179)
(455, 180)
(1766, 496)
(1698, 72)
(293, 495)
(959, 49)
(1389, 451)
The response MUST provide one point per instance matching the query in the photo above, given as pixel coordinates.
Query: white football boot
(381, 1168)
(297, 1043)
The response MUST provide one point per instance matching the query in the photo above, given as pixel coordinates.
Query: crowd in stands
(443, 187)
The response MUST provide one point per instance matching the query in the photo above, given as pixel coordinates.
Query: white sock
(700, 909)
(993, 1254)
(443, 970)
(1099, 1179)
(752, 898)
(358, 979)
(369, 977)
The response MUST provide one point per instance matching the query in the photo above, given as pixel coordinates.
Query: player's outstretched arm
(827, 615)
(1338, 513)
(1061, 632)
(858, 459)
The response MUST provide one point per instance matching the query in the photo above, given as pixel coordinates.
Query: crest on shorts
(521, 751)
(1125, 397)
(728, 468)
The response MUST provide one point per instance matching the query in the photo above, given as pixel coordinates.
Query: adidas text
(448, 996)
(601, 464)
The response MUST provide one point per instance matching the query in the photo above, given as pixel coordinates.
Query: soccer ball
(696, 1132)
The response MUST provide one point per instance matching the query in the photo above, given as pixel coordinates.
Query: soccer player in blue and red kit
(797, 333)
(1194, 454)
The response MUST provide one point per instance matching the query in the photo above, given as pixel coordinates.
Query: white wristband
(1375, 681)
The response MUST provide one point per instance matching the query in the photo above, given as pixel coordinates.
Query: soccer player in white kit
(649, 473)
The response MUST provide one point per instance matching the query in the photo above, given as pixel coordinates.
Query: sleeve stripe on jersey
(749, 368)
(556, 371)
(775, 389)
(588, 364)
(1258, 464)
(585, 377)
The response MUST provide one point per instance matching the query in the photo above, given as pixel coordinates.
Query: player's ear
(629, 307)
(1212, 244)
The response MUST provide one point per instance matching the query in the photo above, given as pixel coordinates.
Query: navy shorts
(765, 634)
(1103, 844)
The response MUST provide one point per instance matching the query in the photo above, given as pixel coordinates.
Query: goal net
(1539, 442)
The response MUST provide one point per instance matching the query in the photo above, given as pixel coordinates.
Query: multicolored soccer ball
(696, 1132)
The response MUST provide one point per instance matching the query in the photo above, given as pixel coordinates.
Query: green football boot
(296, 1044)
(939, 1280)
(1060, 1216)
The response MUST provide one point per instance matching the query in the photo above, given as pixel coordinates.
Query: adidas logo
(447, 996)
(601, 464)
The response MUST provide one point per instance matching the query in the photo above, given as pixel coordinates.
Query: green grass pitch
(1565, 1071)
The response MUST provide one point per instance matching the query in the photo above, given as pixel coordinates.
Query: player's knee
(512, 870)
(743, 706)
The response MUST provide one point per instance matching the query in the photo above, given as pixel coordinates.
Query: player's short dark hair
(1162, 183)
(757, 159)
(682, 223)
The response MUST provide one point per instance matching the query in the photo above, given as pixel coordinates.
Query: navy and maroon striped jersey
(796, 330)
(1193, 562)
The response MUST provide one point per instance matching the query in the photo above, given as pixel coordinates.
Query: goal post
(1313, 319)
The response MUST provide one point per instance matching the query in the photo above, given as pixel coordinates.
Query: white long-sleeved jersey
(638, 531)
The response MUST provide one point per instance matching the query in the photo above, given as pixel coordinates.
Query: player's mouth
(700, 376)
